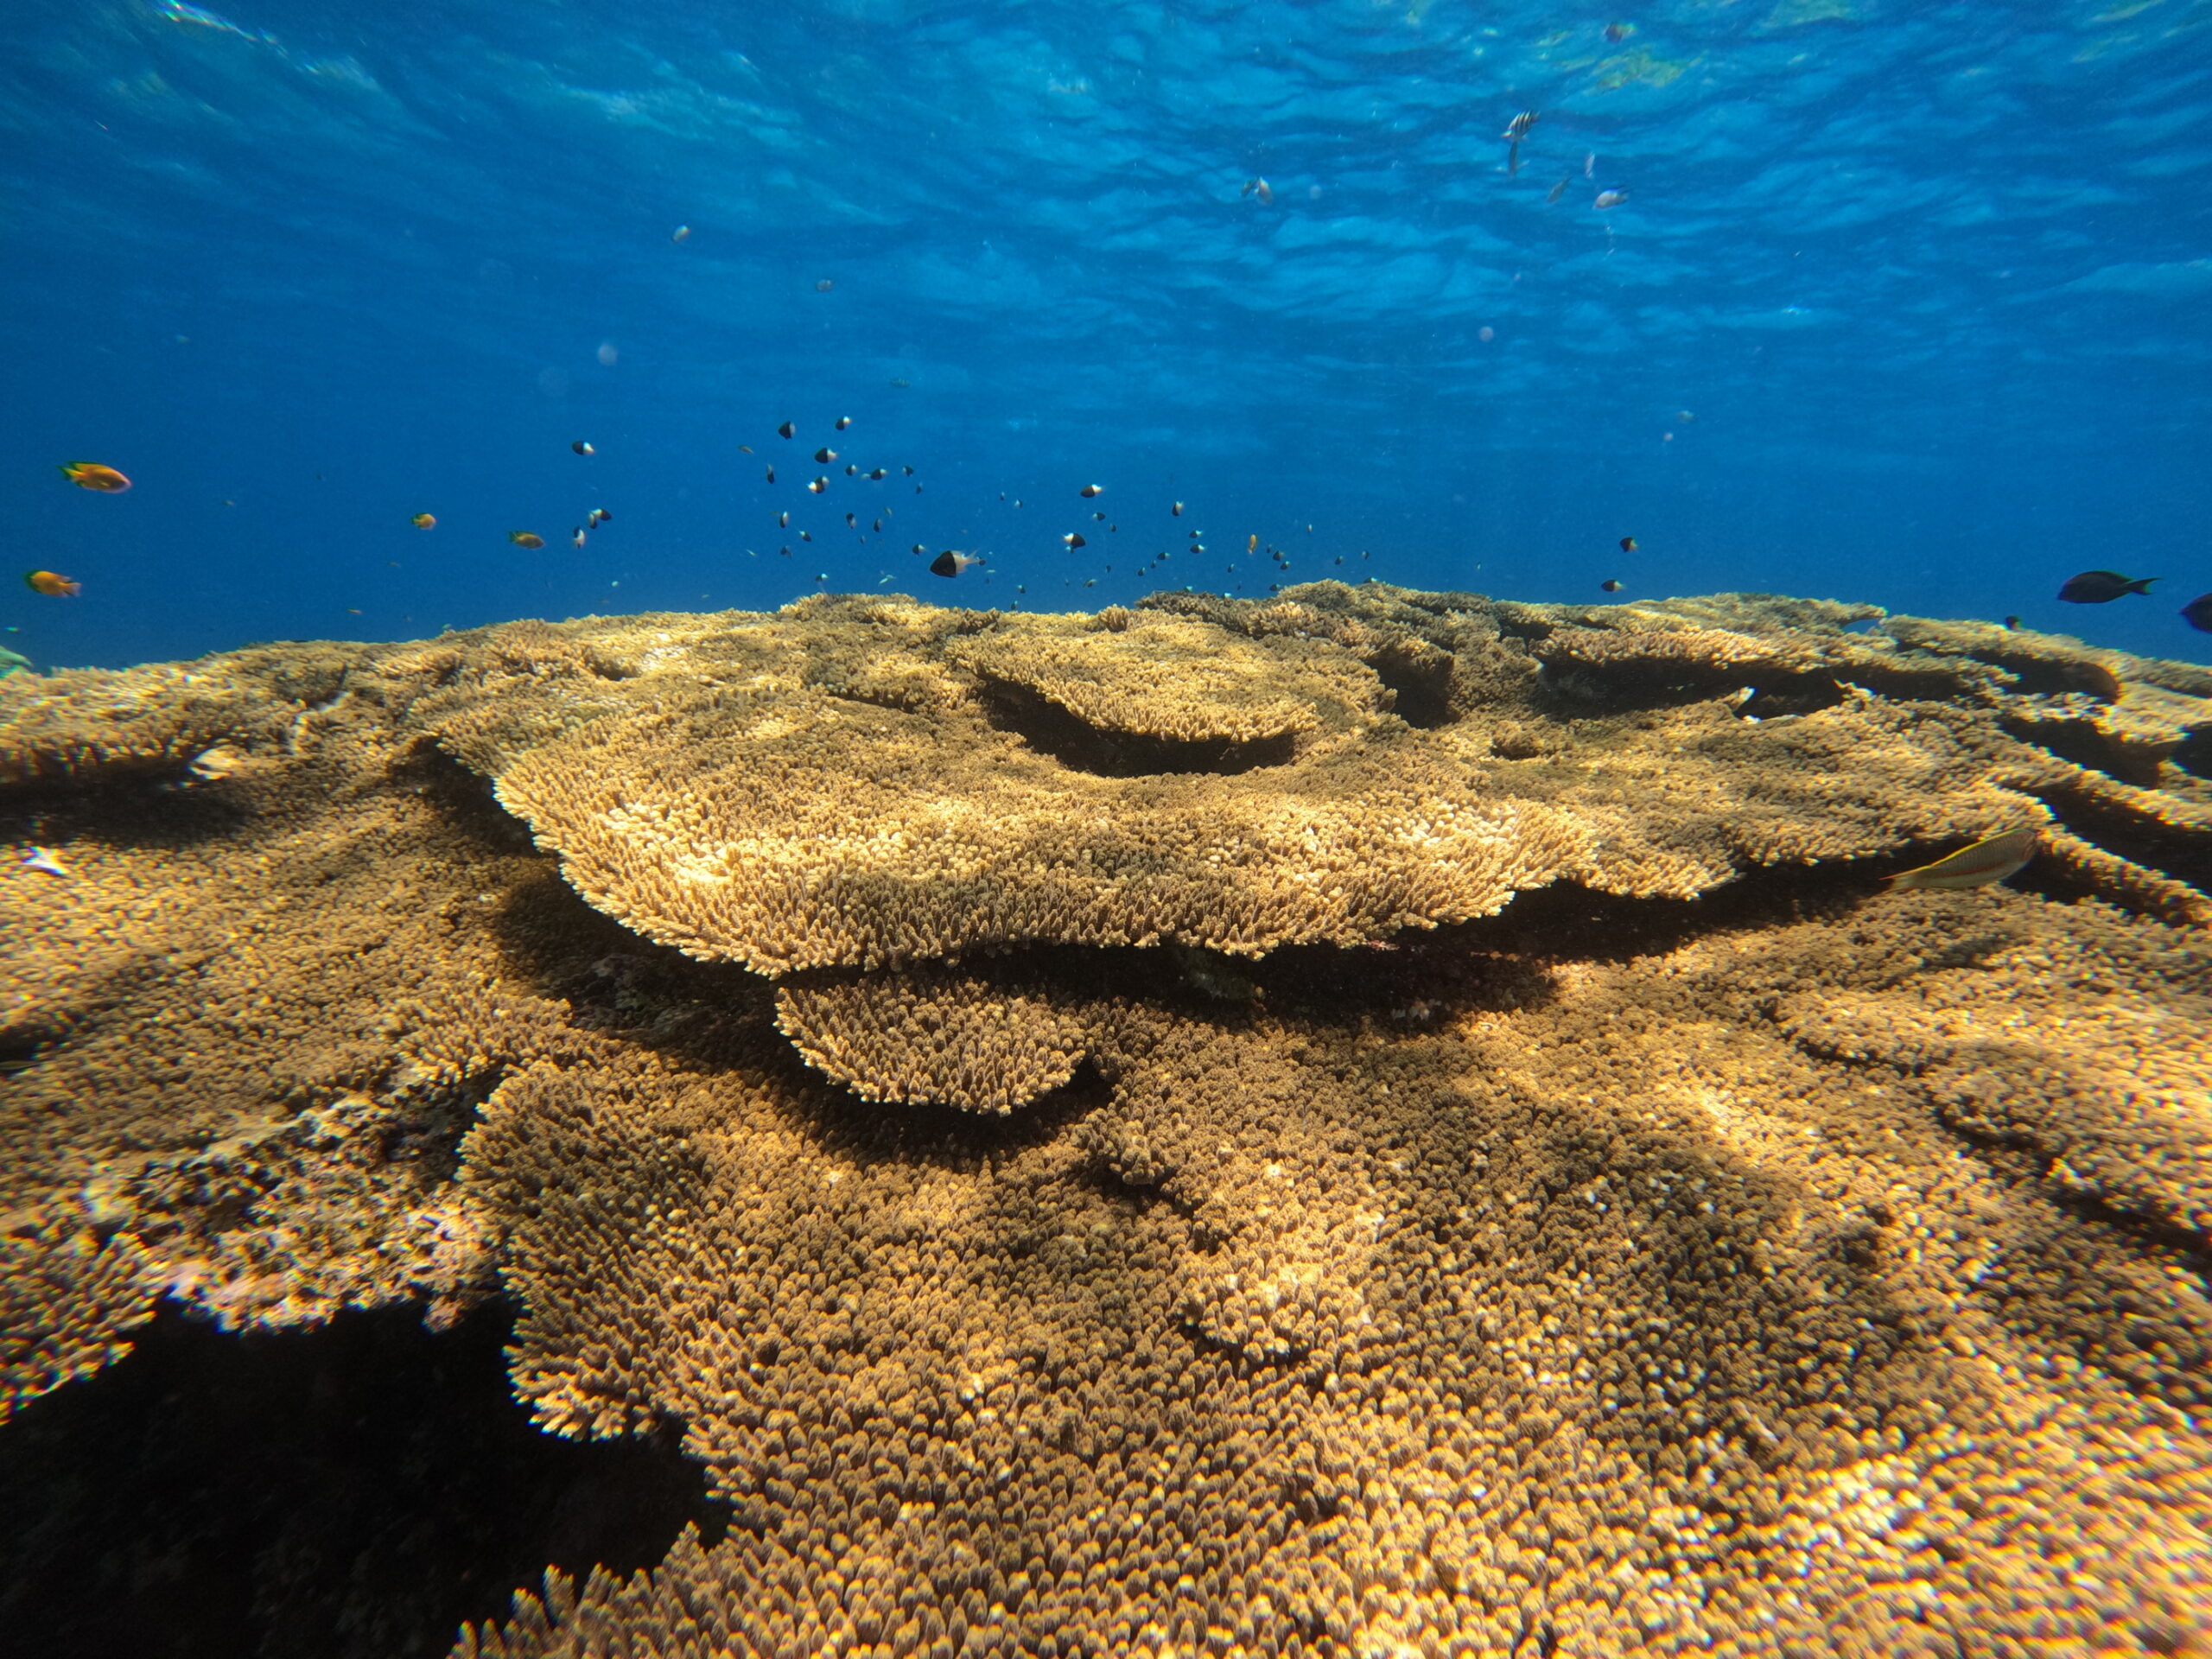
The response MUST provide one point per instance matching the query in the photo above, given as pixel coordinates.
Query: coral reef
(1452, 1148)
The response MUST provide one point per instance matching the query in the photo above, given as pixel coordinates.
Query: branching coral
(1341, 1246)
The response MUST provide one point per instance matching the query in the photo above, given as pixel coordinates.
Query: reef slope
(1369, 1122)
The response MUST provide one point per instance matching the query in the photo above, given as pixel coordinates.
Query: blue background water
(1931, 279)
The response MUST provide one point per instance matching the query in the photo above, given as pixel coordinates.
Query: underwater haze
(1892, 302)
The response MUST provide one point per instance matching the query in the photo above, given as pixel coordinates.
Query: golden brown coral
(1758, 1269)
(935, 1037)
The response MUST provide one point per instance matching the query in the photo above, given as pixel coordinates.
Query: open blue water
(1906, 302)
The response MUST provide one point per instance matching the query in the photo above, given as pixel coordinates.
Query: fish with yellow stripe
(1991, 858)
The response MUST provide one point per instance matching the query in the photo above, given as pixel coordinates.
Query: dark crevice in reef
(2194, 756)
(2080, 742)
(1051, 729)
(2135, 836)
(144, 804)
(1419, 682)
(352, 1491)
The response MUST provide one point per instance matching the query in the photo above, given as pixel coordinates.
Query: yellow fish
(1987, 861)
(525, 538)
(423, 521)
(91, 475)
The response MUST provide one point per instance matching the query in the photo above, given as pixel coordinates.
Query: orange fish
(53, 586)
(1987, 860)
(91, 475)
(525, 538)
(423, 521)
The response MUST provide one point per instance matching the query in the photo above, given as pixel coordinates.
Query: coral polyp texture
(1372, 1122)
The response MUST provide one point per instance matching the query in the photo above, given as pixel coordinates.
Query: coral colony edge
(1365, 1123)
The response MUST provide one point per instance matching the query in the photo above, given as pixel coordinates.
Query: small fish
(1987, 860)
(680, 234)
(950, 563)
(806, 535)
(1590, 164)
(1251, 544)
(597, 516)
(824, 286)
(744, 448)
(878, 526)
(1611, 584)
(1100, 516)
(907, 470)
(1618, 32)
(879, 473)
(45, 861)
(844, 420)
(786, 429)
(818, 484)
(782, 521)
(1089, 490)
(851, 470)
(1516, 131)
(852, 522)
(1557, 192)
(1610, 199)
(1175, 511)
(52, 585)
(825, 455)
(576, 536)
(212, 765)
(2013, 622)
(525, 538)
(91, 475)
(2198, 612)
(772, 474)
(423, 521)
(582, 448)
(1257, 187)
(900, 385)
(2102, 587)
(918, 548)
(1628, 543)
(1074, 541)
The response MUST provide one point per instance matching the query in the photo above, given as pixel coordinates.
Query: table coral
(1463, 1157)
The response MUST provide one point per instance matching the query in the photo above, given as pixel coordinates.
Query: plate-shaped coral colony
(1369, 1122)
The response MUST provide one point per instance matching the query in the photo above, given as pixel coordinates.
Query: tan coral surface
(1590, 1217)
